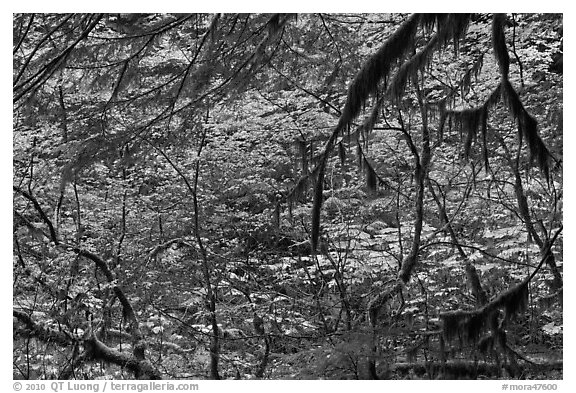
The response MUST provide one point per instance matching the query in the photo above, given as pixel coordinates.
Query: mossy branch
(527, 125)
(471, 324)
(366, 82)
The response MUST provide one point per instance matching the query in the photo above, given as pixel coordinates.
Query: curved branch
(97, 350)
(21, 40)
(37, 47)
(47, 221)
(34, 81)
(44, 333)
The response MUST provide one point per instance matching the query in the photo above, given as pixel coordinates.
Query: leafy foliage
(287, 196)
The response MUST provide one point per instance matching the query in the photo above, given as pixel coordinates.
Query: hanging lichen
(474, 324)
(527, 125)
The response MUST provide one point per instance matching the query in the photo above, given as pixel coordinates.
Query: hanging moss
(452, 322)
(516, 301)
(484, 128)
(467, 325)
(500, 338)
(472, 119)
(303, 153)
(469, 74)
(527, 125)
(486, 344)
(376, 68)
(527, 128)
(410, 68)
(360, 156)
(371, 177)
(342, 153)
(499, 43)
(472, 325)
(316, 208)
(451, 28)
(430, 21)
(475, 325)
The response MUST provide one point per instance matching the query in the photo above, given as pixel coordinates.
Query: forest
(287, 196)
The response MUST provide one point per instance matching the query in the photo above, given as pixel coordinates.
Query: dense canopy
(303, 196)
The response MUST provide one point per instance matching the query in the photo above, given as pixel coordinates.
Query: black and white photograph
(286, 196)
